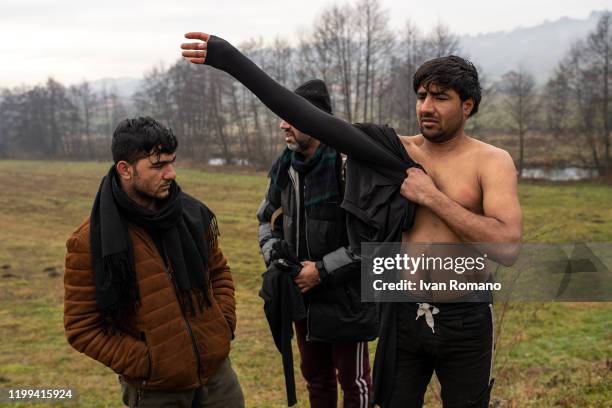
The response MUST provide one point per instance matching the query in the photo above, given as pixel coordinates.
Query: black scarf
(324, 166)
(182, 235)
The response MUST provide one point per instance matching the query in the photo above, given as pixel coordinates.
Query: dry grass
(549, 354)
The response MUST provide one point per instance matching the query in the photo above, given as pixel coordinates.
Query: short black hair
(141, 137)
(451, 72)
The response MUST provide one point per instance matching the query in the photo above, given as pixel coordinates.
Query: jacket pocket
(220, 313)
(143, 337)
(141, 375)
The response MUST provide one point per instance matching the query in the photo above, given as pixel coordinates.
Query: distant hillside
(538, 49)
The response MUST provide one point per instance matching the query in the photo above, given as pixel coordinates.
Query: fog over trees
(368, 66)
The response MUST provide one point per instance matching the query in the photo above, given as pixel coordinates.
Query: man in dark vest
(301, 219)
(148, 291)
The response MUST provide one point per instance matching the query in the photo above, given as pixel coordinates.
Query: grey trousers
(222, 390)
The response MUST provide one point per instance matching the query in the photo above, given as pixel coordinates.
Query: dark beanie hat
(315, 91)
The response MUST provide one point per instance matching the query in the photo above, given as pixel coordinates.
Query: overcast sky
(73, 40)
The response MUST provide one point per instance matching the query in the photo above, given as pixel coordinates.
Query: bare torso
(456, 173)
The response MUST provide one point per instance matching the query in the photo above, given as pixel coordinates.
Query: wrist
(433, 199)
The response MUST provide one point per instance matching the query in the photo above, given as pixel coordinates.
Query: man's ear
(468, 105)
(124, 169)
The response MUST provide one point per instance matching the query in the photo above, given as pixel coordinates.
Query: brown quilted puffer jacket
(167, 348)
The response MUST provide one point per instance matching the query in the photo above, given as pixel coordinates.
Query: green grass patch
(549, 354)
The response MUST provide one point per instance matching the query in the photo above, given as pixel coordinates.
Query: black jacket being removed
(377, 164)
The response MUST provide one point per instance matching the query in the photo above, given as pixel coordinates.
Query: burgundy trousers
(324, 364)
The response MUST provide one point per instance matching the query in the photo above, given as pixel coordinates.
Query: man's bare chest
(457, 177)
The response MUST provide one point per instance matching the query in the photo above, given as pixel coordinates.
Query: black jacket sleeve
(339, 267)
(266, 235)
(296, 110)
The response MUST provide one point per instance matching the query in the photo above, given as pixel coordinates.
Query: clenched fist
(418, 187)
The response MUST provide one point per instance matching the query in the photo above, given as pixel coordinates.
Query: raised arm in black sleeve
(291, 107)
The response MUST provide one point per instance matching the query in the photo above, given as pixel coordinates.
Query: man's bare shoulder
(487, 152)
(412, 141)
(492, 160)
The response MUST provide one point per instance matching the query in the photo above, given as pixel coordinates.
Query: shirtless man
(467, 194)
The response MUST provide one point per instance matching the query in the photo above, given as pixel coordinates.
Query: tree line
(368, 67)
(55, 121)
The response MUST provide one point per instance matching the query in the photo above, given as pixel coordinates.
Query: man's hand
(196, 51)
(308, 277)
(418, 187)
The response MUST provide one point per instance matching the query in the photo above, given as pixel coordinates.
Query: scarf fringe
(202, 300)
(119, 271)
(214, 232)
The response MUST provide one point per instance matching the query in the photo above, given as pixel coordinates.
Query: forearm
(468, 226)
(294, 109)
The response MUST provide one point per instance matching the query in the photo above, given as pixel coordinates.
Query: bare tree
(521, 103)
(334, 30)
(376, 41)
(407, 56)
(153, 98)
(87, 101)
(556, 103)
(61, 112)
(584, 90)
(217, 116)
(442, 42)
(37, 122)
(476, 124)
(600, 50)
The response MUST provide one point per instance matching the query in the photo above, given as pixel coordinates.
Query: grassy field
(549, 354)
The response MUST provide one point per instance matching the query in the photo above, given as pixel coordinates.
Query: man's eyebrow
(441, 92)
(437, 93)
(162, 162)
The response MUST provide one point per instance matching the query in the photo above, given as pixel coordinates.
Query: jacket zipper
(296, 183)
(308, 252)
(144, 382)
(306, 227)
(188, 326)
(308, 322)
(296, 189)
(303, 186)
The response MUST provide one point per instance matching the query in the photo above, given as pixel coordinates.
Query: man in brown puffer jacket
(148, 291)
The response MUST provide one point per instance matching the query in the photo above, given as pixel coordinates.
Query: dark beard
(441, 136)
(438, 137)
(144, 195)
